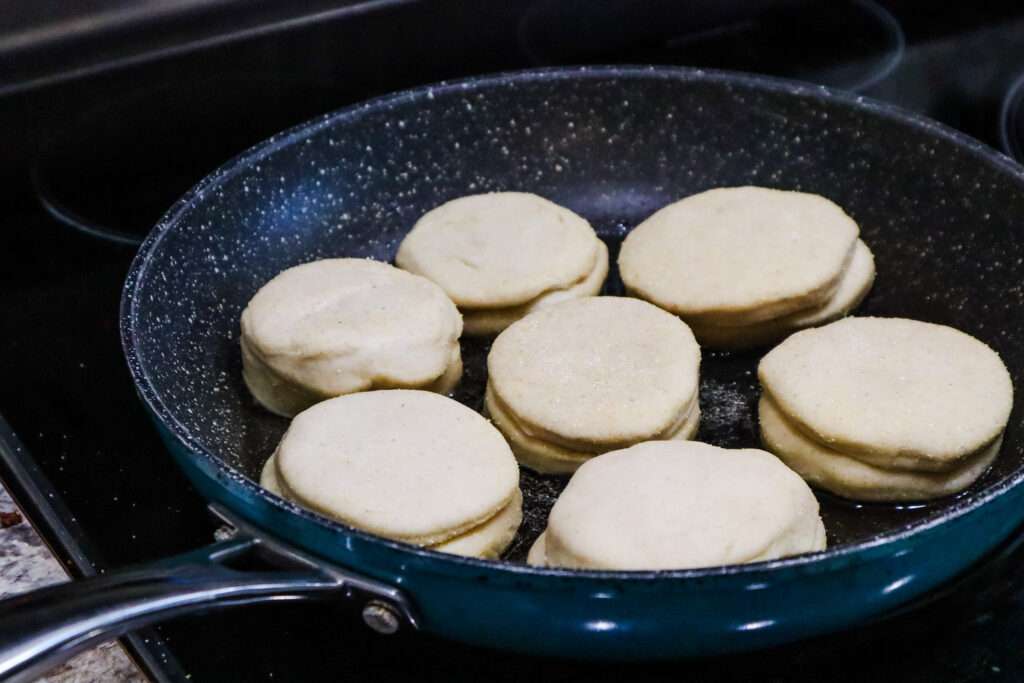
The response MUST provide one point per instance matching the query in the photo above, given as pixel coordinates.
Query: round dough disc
(739, 255)
(338, 326)
(846, 476)
(889, 391)
(490, 321)
(490, 539)
(409, 465)
(600, 371)
(853, 287)
(678, 505)
(550, 458)
(500, 249)
(487, 540)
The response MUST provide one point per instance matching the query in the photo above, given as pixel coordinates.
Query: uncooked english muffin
(584, 377)
(502, 255)
(339, 326)
(412, 466)
(745, 266)
(885, 409)
(679, 505)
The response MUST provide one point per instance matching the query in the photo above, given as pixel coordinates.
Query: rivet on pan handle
(43, 628)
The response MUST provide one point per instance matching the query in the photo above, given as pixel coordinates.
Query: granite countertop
(26, 563)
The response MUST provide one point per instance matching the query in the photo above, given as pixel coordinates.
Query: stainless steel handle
(43, 628)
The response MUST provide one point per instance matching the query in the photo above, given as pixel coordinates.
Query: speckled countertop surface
(26, 563)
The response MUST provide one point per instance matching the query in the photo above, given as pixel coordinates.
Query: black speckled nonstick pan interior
(941, 213)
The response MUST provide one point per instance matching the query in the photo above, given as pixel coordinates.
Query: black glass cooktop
(86, 462)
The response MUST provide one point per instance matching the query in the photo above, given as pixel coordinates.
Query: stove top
(92, 163)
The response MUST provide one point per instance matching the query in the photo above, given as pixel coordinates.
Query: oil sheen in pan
(728, 397)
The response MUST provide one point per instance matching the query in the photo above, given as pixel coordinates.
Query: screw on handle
(44, 628)
(381, 617)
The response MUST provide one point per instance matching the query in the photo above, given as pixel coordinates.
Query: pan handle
(43, 628)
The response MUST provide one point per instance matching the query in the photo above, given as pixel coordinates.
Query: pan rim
(808, 561)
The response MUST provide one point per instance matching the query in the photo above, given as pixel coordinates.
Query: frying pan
(939, 210)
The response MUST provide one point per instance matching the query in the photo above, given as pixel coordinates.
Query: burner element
(850, 45)
(116, 168)
(1011, 120)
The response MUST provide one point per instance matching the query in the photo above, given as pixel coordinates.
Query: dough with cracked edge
(592, 375)
(501, 255)
(339, 326)
(409, 465)
(891, 392)
(679, 505)
(739, 255)
(855, 284)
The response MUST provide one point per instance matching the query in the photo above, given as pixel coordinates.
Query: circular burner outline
(50, 198)
(1009, 112)
(886, 63)
(68, 217)
(897, 45)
